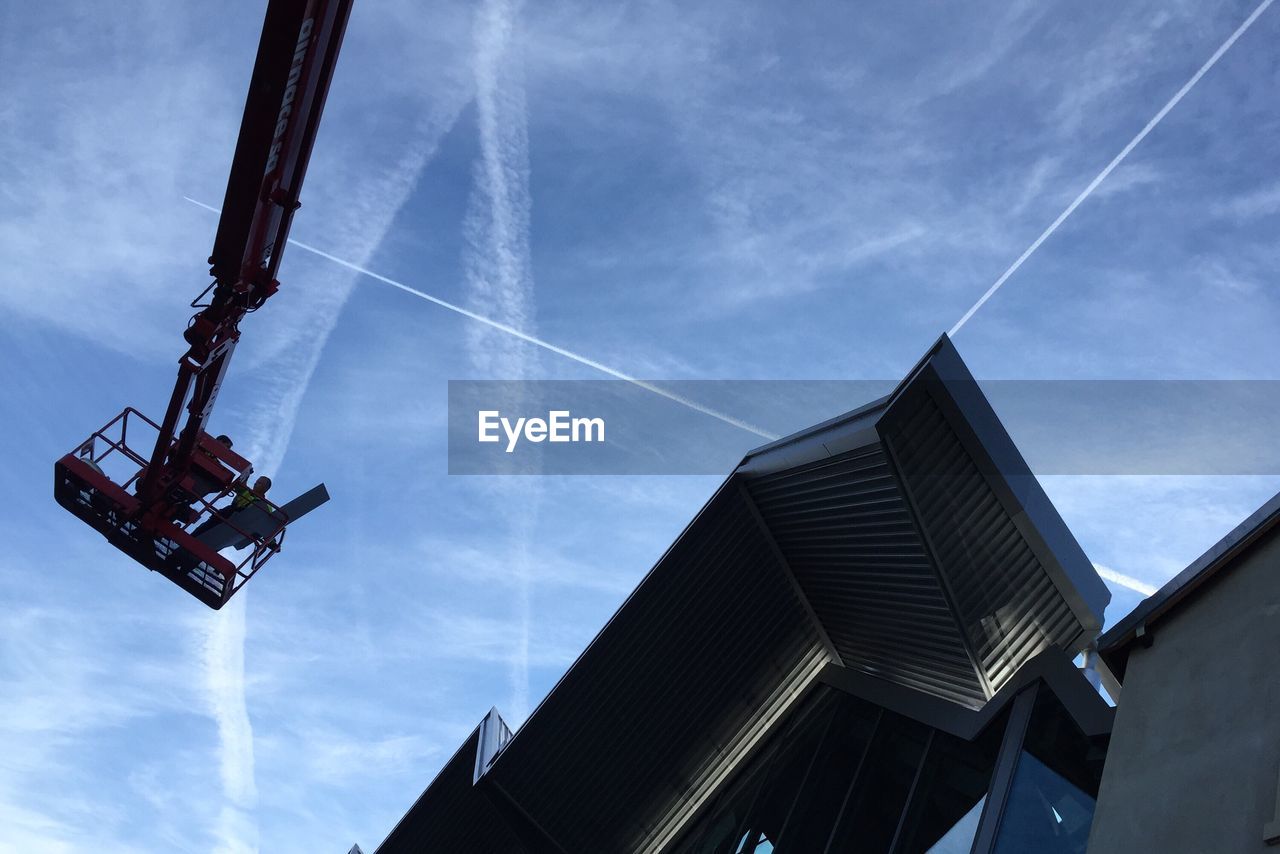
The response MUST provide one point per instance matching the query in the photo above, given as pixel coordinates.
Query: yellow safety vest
(245, 497)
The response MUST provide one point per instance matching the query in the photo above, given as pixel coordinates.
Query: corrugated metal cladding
(892, 532)
(659, 704)
(847, 534)
(452, 816)
(1008, 605)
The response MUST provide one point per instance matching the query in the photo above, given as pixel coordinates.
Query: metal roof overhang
(907, 541)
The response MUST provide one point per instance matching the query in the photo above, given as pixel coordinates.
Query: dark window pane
(953, 785)
(819, 804)
(959, 837)
(1050, 806)
(753, 808)
(883, 785)
(770, 811)
(722, 830)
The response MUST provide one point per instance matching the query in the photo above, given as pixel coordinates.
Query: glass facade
(1055, 785)
(845, 775)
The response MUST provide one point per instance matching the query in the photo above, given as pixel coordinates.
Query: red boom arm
(162, 510)
(296, 56)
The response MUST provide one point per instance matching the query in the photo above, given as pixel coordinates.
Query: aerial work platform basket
(185, 538)
(153, 490)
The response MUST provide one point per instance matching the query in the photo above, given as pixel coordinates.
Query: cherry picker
(159, 507)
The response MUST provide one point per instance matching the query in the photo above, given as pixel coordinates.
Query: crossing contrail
(537, 342)
(1123, 580)
(1102, 176)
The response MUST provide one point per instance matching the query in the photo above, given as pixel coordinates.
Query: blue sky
(729, 191)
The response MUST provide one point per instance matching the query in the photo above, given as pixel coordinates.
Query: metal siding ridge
(753, 733)
(990, 558)
(873, 609)
(610, 716)
(785, 568)
(982, 434)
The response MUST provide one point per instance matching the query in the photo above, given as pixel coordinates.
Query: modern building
(864, 641)
(1195, 756)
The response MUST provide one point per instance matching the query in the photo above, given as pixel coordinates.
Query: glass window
(949, 795)
(884, 783)
(755, 843)
(847, 776)
(1050, 806)
(823, 796)
(721, 832)
(773, 806)
(959, 837)
(751, 813)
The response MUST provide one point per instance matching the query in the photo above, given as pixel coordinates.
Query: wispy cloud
(68, 679)
(488, 640)
(721, 189)
(1141, 531)
(500, 278)
(487, 565)
(91, 149)
(521, 335)
(1259, 202)
(267, 427)
(223, 655)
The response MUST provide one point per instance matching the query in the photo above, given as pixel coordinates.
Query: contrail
(1124, 580)
(1102, 176)
(270, 427)
(537, 342)
(500, 283)
(498, 272)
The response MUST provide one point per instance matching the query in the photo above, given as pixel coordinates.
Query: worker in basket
(245, 497)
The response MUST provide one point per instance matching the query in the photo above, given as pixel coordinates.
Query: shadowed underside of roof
(671, 692)
(848, 536)
(1003, 597)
